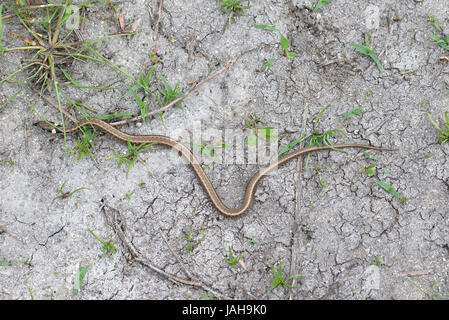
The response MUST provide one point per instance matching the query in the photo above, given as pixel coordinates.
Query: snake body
(196, 166)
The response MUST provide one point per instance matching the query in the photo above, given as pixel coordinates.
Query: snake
(195, 164)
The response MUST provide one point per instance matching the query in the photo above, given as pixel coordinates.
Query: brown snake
(204, 179)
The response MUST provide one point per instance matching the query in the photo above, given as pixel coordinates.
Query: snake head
(48, 126)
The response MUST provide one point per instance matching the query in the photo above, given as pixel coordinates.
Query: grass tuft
(443, 134)
(366, 50)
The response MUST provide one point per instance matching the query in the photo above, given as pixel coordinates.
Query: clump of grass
(84, 144)
(443, 134)
(366, 50)
(316, 137)
(142, 82)
(231, 260)
(108, 247)
(68, 194)
(278, 278)
(132, 156)
(52, 45)
(233, 6)
(169, 94)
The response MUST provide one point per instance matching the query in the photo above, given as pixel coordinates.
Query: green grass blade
(268, 65)
(352, 113)
(292, 144)
(441, 42)
(319, 4)
(265, 27)
(433, 122)
(79, 278)
(367, 51)
(376, 60)
(284, 43)
(360, 48)
(390, 190)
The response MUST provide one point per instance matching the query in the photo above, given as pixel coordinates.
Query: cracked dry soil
(349, 240)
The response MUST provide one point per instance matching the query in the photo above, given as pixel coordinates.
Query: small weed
(232, 260)
(316, 138)
(108, 246)
(442, 42)
(352, 113)
(233, 6)
(128, 195)
(443, 134)
(65, 195)
(366, 50)
(142, 82)
(206, 297)
(267, 65)
(433, 21)
(370, 156)
(9, 160)
(390, 190)
(376, 261)
(153, 57)
(191, 243)
(253, 241)
(370, 169)
(83, 144)
(79, 278)
(5, 263)
(293, 144)
(170, 94)
(319, 4)
(285, 43)
(30, 293)
(278, 278)
(323, 183)
(257, 131)
(132, 156)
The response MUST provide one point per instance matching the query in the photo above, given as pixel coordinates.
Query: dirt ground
(324, 220)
